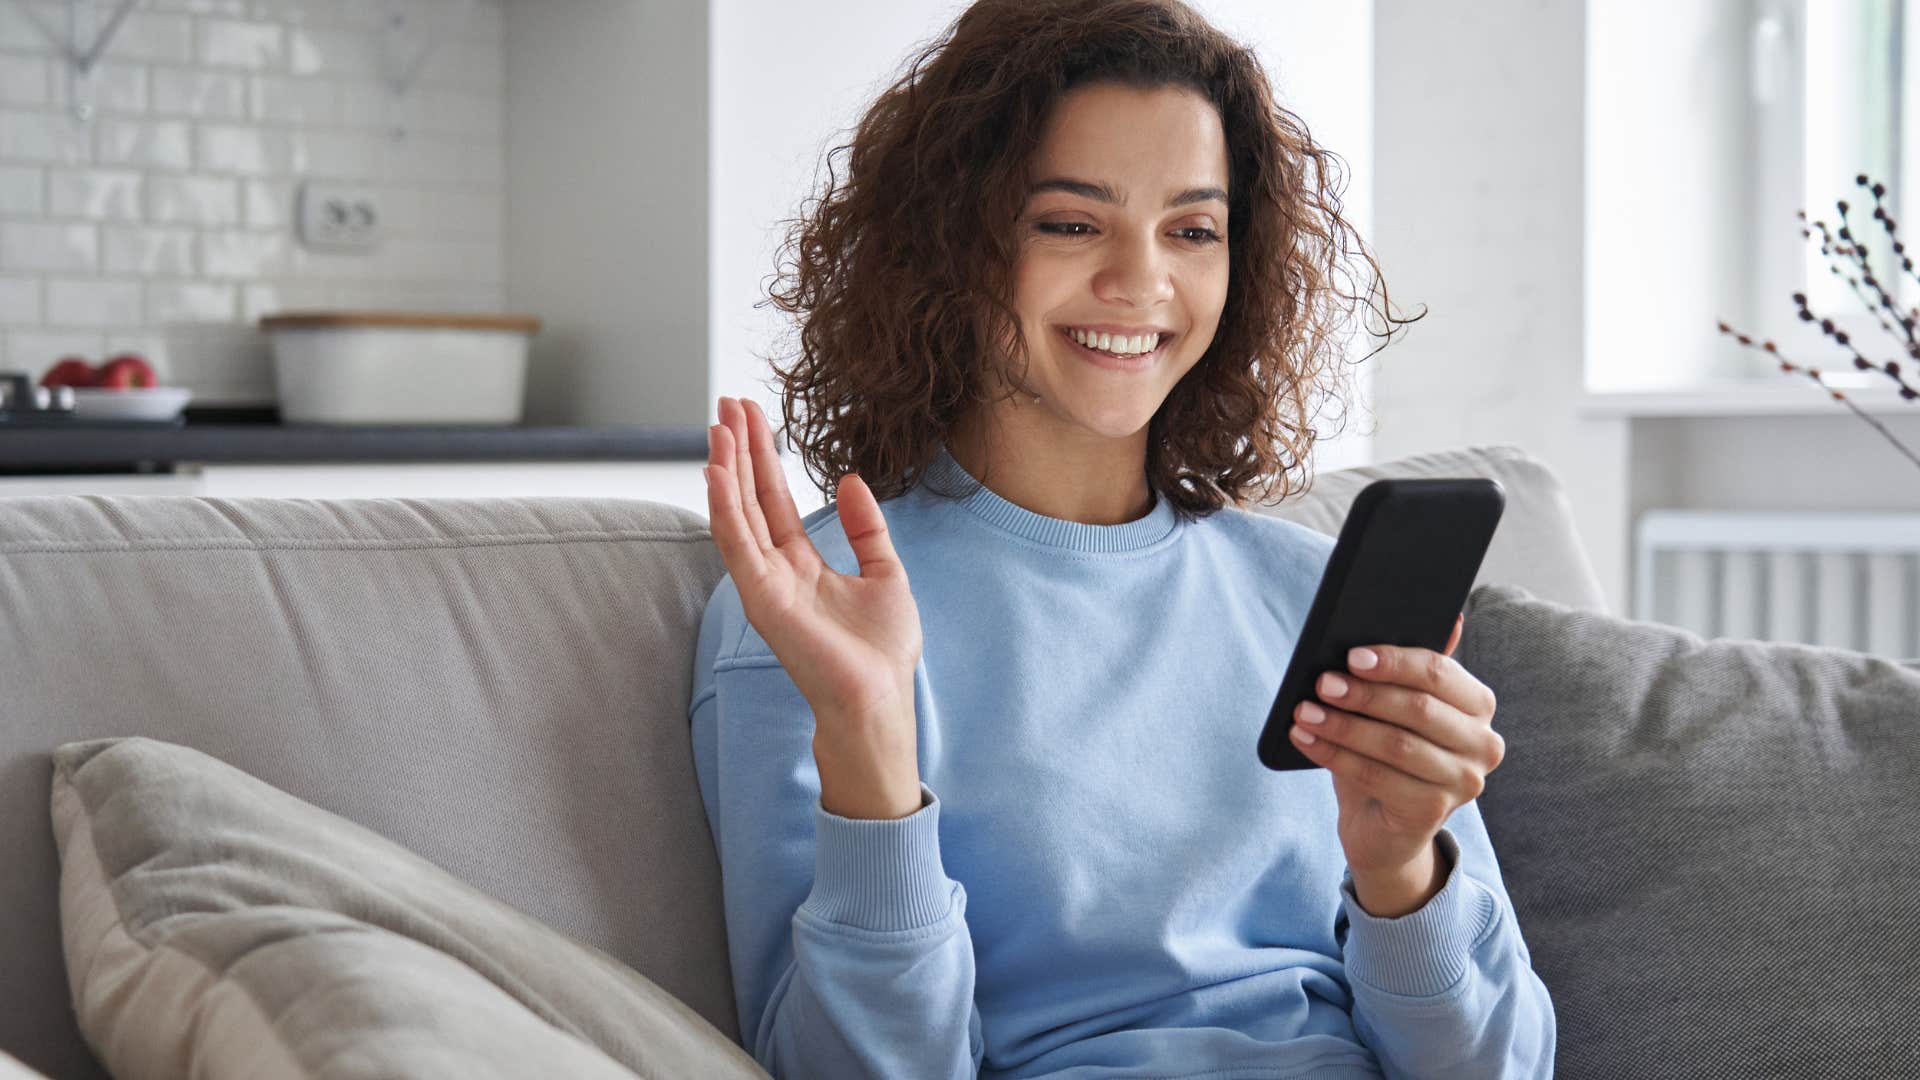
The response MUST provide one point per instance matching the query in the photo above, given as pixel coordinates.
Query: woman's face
(1125, 233)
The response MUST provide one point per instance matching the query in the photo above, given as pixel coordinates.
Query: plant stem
(1882, 428)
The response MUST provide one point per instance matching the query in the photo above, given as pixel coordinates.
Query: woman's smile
(1105, 359)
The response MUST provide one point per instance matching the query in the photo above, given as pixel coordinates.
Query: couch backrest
(500, 685)
(1536, 546)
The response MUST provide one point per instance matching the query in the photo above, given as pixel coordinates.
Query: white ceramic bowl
(133, 403)
(395, 367)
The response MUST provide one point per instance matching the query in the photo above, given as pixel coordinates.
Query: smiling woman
(1021, 161)
(1063, 312)
(1112, 277)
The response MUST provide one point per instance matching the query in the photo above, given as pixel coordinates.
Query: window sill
(1794, 396)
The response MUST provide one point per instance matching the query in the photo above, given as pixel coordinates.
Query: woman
(1065, 308)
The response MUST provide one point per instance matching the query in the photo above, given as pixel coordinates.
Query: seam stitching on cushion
(219, 977)
(272, 1020)
(222, 543)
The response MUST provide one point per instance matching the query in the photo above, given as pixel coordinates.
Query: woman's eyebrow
(1105, 193)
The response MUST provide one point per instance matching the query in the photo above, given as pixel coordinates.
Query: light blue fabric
(1102, 880)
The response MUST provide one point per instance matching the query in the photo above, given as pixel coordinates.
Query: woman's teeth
(1120, 345)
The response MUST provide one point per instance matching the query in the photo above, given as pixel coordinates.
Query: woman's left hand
(1410, 741)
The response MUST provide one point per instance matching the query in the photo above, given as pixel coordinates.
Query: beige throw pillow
(216, 926)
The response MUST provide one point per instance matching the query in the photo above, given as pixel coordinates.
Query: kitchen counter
(236, 436)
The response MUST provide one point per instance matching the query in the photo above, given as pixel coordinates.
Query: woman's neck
(1078, 477)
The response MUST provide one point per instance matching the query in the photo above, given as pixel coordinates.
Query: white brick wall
(164, 224)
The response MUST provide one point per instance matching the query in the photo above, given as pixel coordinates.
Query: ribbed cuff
(880, 875)
(1422, 952)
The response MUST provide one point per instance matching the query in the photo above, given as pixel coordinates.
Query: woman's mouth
(1102, 358)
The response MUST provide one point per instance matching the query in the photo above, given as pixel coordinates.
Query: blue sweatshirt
(1102, 880)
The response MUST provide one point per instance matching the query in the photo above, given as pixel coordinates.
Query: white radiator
(1846, 580)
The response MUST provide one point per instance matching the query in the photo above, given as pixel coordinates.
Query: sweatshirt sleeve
(847, 942)
(1449, 990)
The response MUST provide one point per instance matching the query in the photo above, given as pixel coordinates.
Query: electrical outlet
(339, 217)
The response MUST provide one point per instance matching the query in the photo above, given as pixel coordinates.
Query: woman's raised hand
(849, 642)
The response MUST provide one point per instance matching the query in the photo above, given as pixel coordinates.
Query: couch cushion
(1710, 844)
(499, 685)
(1536, 547)
(218, 926)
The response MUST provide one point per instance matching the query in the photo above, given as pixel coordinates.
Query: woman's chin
(1115, 419)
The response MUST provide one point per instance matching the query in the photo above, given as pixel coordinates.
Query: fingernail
(1332, 685)
(1304, 735)
(1311, 713)
(1362, 659)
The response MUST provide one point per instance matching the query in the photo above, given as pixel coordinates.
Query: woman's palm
(849, 642)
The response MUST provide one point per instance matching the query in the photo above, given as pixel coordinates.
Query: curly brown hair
(901, 271)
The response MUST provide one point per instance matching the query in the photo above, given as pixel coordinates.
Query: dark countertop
(255, 436)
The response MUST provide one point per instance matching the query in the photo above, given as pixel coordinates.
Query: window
(1832, 101)
(1710, 124)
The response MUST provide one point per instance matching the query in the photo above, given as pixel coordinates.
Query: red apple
(70, 371)
(127, 371)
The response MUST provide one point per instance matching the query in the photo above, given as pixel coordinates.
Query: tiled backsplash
(164, 224)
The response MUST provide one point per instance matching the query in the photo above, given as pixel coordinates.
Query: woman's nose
(1135, 274)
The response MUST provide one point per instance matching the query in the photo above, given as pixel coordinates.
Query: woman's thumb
(866, 528)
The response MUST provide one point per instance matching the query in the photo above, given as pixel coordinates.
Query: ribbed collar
(947, 475)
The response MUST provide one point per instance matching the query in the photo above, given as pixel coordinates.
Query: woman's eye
(1194, 234)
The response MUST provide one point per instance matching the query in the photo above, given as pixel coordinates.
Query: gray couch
(501, 685)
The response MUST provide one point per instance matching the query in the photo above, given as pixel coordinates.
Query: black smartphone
(1400, 574)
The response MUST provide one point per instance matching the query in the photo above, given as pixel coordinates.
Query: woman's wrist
(1405, 890)
(867, 771)
(880, 798)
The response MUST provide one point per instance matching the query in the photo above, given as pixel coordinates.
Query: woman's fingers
(776, 503)
(734, 416)
(866, 529)
(724, 517)
(752, 513)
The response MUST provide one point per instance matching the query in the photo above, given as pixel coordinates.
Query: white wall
(1829, 461)
(607, 213)
(785, 81)
(1320, 58)
(1479, 153)
(785, 85)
